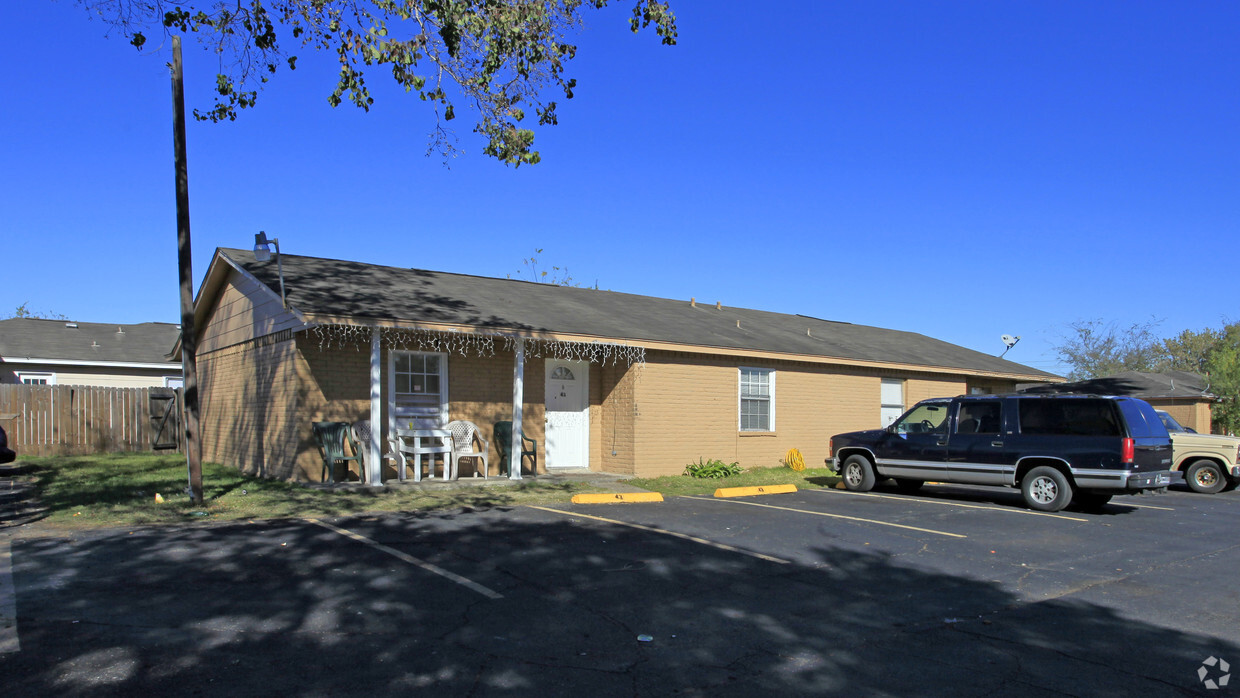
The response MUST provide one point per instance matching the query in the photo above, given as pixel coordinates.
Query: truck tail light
(1129, 452)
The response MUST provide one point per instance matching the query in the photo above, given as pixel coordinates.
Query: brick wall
(1194, 415)
(919, 388)
(249, 397)
(260, 399)
(687, 408)
(480, 391)
(613, 418)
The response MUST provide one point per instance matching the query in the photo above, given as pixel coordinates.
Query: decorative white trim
(640, 346)
(478, 343)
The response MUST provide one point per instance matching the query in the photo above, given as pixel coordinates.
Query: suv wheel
(1205, 476)
(1046, 489)
(858, 474)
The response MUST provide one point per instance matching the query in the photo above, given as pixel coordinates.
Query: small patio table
(422, 442)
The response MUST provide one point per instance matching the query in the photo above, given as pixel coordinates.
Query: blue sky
(959, 169)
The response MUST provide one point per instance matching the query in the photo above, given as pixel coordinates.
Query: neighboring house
(60, 352)
(609, 381)
(1185, 396)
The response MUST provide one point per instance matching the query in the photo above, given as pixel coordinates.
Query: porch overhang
(461, 340)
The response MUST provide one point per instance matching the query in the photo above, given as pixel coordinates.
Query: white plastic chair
(464, 436)
(361, 439)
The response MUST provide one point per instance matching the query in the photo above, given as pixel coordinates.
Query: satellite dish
(1010, 341)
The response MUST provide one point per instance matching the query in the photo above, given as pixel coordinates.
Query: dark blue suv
(1055, 448)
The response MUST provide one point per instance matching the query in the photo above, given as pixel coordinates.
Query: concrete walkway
(602, 482)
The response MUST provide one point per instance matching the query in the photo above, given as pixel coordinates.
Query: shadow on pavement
(293, 608)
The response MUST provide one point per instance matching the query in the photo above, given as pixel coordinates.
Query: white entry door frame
(568, 414)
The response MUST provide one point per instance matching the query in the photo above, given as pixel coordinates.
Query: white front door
(568, 414)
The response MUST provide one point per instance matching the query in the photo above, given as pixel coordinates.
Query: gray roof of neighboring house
(64, 340)
(317, 286)
(1167, 385)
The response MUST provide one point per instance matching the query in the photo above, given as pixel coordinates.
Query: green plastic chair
(503, 441)
(331, 437)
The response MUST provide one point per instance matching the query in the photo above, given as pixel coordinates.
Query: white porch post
(518, 389)
(375, 457)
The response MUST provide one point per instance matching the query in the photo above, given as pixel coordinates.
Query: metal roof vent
(120, 330)
(71, 325)
(94, 345)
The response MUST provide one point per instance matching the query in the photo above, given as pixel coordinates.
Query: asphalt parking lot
(953, 591)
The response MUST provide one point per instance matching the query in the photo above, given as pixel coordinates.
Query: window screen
(757, 392)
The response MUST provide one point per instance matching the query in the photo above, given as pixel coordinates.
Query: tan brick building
(610, 381)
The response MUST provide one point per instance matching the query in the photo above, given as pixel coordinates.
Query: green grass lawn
(119, 490)
(95, 491)
(679, 485)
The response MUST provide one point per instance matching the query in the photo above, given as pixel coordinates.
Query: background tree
(1094, 348)
(24, 310)
(1190, 351)
(499, 56)
(1222, 367)
(534, 271)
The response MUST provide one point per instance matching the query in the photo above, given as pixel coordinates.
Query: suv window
(1143, 421)
(981, 417)
(1083, 417)
(926, 418)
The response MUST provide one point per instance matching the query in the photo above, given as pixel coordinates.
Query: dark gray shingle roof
(28, 338)
(1171, 384)
(319, 286)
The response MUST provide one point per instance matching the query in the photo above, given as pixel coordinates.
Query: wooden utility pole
(189, 343)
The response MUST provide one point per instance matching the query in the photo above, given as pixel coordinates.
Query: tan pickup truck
(1208, 462)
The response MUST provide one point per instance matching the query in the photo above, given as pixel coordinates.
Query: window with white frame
(891, 398)
(419, 389)
(757, 399)
(36, 378)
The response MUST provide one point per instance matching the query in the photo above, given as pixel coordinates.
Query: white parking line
(666, 532)
(468, 584)
(9, 641)
(956, 504)
(1148, 506)
(833, 516)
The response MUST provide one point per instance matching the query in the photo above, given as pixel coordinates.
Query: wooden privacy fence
(59, 420)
